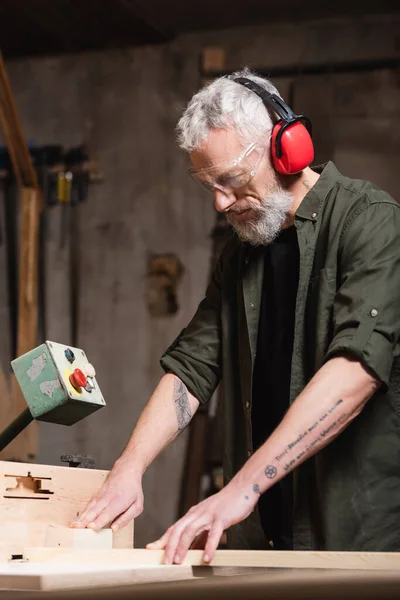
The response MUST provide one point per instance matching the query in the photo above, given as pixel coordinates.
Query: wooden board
(223, 558)
(265, 585)
(26, 514)
(112, 568)
(24, 576)
(65, 537)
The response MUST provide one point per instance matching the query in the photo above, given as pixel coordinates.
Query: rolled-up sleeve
(195, 355)
(366, 312)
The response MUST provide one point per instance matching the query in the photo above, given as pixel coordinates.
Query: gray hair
(224, 104)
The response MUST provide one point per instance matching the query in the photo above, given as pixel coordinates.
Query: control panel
(58, 383)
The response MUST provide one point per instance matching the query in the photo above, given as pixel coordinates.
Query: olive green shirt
(346, 497)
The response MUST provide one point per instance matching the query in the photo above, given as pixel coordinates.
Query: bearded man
(301, 321)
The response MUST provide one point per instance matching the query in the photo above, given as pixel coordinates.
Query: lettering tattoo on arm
(182, 406)
(271, 470)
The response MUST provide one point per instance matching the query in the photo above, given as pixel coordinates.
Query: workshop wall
(124, 105)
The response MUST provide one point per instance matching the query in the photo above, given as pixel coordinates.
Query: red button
(78, 379)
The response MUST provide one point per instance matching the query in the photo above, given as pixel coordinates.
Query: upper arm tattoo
(182, 406)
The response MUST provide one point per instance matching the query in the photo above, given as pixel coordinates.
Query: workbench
(52, 574)
(41, 556)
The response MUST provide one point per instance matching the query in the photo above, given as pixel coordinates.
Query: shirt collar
(312, 201)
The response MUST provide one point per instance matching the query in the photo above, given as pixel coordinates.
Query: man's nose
(223, 201)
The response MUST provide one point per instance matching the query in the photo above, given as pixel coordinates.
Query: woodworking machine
(38, 502)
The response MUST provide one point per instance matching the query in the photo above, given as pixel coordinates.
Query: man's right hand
(119, 500)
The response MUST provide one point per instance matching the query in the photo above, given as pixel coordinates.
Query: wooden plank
(16, 143)
(25, 576)
(188, 582)
(225, 558)
(26, 513)
(65, 537)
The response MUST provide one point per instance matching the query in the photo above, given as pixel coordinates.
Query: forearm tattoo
(317, 431)
(182, 406)
(320, 432)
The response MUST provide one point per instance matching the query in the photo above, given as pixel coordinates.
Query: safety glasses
(231, 174)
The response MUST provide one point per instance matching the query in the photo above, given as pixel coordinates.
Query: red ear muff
(292, 149)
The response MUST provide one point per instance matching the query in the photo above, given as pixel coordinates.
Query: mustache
(243, 207)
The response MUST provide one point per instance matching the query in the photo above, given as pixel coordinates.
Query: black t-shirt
(271, 381)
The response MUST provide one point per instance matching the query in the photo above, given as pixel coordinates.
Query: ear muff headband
(290, 154)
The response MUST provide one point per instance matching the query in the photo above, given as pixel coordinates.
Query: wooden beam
(66, 537)
(25, 446)
(41, 577)
(10, 121)
(4, 399)
(28, 270)
(225, 558)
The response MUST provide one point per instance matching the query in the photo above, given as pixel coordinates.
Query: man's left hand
(211, 517)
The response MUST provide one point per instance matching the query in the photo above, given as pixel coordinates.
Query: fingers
(169, 541)
(190, 533)
(213, 540)
(103, 519)
(134, 511)
(90, 514)
(174, 536)
(177, 539)
(113, 512)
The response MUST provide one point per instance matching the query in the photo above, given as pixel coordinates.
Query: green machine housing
(48, 377)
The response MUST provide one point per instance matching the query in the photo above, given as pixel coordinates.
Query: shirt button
(247, 405)
(314, 215)
(374, 312)
(252, 305)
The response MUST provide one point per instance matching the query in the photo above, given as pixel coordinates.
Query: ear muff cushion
(297, 150)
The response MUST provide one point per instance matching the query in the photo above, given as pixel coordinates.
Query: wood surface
(49, 497)
(66, 569)
(65, 537)
(224, 558)
(263, 585)
(24, 576)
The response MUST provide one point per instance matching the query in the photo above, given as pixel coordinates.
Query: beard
(269, 217)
